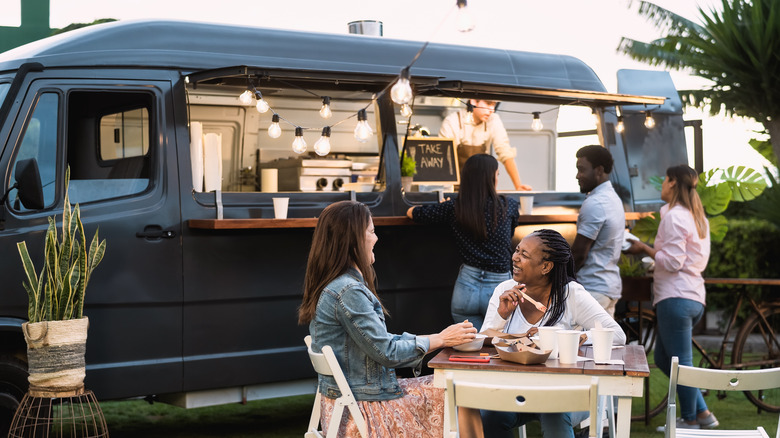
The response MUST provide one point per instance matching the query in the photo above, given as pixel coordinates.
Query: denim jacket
(349, 319)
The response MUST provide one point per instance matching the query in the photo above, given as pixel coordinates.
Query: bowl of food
(474, 345)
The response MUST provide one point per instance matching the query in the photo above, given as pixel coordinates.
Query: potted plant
(637, 285)
(408, 170)
(56, 333)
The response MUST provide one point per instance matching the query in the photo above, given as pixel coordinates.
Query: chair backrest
(539, 399)
(326, 364)
(721, 380)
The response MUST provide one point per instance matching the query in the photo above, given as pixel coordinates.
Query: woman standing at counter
(483, 222)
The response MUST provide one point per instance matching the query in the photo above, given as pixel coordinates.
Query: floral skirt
(418, 414)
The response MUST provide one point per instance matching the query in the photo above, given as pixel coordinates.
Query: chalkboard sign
(436, 160)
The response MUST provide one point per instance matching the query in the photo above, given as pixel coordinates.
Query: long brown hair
(477, 187)
(684, 193)
(337, 245)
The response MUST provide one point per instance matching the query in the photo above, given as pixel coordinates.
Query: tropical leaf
(745, 184)
(647, 227)
(764, 147)
(714, 198)
(718, 228)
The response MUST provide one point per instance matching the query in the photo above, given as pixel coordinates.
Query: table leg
(624, 417)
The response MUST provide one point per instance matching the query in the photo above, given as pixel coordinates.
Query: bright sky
(587, 29)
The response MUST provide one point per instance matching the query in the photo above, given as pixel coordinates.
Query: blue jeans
(472, 293)
(501, 424)
(676, 318)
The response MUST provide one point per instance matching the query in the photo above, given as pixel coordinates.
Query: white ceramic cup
(568, 345)
(602, 344)
(548, 340)
(526, 204)
(280, 207)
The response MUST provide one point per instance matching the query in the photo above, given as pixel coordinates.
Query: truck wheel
(13, 386)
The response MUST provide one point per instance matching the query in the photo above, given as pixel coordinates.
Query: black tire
(755, 346)
(13, 386)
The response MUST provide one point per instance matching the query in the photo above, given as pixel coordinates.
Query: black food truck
(195, 301)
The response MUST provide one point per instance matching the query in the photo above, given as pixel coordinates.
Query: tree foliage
(735, 47)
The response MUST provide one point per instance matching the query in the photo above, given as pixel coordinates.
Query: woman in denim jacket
(343, 310)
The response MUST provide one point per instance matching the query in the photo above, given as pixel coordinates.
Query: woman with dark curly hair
(542, 268)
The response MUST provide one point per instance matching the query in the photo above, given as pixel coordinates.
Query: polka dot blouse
(493, 254)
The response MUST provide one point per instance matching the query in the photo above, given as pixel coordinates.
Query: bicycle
(754, 345)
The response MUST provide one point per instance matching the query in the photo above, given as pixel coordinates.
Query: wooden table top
(633, 356)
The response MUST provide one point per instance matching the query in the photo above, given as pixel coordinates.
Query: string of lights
(401, 93)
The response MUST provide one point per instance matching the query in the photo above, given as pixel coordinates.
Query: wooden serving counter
(379, 221)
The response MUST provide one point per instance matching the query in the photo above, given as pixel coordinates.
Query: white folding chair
(541, 399)
(325, 363)
(721, 380)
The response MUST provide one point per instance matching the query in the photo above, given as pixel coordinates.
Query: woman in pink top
(682, 248)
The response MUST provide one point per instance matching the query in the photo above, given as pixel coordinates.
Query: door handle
(155, 232)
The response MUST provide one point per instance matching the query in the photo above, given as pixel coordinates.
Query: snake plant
(57, 293)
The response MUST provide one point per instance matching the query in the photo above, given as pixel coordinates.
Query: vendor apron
(464, 152)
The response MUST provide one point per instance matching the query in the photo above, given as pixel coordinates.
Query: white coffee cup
(280, 207)
(548, 340)
(568, 345)
(526, 204)
(602, 344)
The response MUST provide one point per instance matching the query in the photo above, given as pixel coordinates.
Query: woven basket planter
(55, 354)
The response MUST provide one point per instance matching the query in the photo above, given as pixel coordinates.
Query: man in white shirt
(600, 227)
(476, 136)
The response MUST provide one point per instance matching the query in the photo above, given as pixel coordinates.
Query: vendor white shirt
(487, 134)
(602, 220)
(581, 310)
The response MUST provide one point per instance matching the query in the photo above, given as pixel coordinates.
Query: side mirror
(28, 181)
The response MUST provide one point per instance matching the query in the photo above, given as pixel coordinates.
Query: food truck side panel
(134, 298)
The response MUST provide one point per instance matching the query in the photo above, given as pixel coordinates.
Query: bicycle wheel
(657, 388)
(757, 346)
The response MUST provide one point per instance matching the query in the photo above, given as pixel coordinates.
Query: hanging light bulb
(464, 21)
(536, 124)
(649, 121)
(401, 92)
(325, 111)
(322, 146)
(246, 97)
(262, 105)
(620, 127)
(406, 110)
(363, 131)
(275, 131)
(299, 144)
(469, 113)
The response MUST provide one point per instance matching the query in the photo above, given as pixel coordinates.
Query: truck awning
(423, 85)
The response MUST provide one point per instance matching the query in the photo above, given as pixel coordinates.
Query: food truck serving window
(246, 150)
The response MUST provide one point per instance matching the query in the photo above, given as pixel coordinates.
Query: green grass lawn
(288, 417)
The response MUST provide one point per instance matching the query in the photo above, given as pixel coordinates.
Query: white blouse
(582, 311)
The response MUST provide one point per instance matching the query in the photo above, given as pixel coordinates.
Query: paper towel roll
(269, 180)
(196, 155)
(212, 159)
